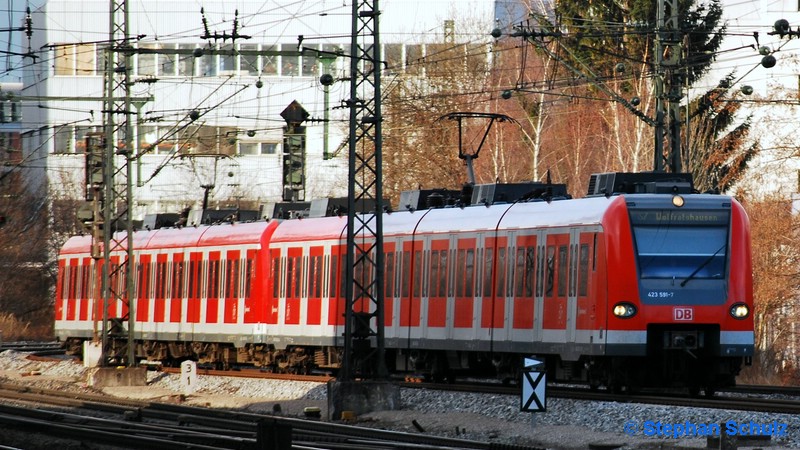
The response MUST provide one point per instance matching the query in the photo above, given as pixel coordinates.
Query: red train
(623, 290)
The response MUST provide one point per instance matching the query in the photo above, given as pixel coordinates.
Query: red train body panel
(462, 286)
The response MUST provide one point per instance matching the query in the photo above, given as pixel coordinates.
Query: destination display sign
(679, 217)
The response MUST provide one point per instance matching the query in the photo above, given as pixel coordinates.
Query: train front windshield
(681, 245)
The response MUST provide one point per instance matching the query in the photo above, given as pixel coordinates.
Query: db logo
(683, 313)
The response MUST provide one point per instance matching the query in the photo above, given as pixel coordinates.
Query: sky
(12, 13)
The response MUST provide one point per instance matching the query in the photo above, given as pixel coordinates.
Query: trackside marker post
(534, 387)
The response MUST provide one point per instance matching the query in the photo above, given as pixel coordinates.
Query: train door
(232, 289)
(142, 290)
(212, 283)
(493, 306)
(463, 316)
(177, 291)
(410, 286)
(523, 297)
(293, 293)
(435, 290)
(390, 271)
(314, 294)
(160, 306)
(554, 321)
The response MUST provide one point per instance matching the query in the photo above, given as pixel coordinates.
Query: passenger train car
(622, 290)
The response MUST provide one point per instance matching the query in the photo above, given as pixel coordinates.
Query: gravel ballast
(492, 418)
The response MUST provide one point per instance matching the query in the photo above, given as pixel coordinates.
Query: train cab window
(684, 245)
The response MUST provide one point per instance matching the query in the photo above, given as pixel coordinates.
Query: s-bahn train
(641, 284)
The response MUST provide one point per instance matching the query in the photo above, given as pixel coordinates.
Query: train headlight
(740, 311)
(677, 200)
(624, 310)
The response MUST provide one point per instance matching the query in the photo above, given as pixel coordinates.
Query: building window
(75, 59)
(269, 148)
(290, 66)
(186, 62)
(257, 148)
(65, 59)
(270, 61)
(147, 62)
(227, 61)
(249, 62)
(62, 140)
(80, 137)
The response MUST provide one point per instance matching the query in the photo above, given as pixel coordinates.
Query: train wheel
(694, 391)
(709, 391)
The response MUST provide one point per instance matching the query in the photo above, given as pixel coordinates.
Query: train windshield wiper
(703, 264)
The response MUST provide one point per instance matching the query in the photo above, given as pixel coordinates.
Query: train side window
(469, 273)
(519, 272)
(551, 266)
(417, 272)
(177, 279)
(63, 275)
(71, 276)
(213, 279)
(291, 274)
(406, 274)
(530, 264)
(461, 268)
(248, 272)
(583, 275)
(84, 281)
(501, 272)
(276, 276)
(487, 272)
(298, 276)
(443, 273)
(388, 281)
(141, 288)
(426, 269)
(562, 270)
(236, 278)
(192, 279)
(332, 274)
(343, 277)
(451, 273)
(161, 278)
(434, 277)
(316, 270)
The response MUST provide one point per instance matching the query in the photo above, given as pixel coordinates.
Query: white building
(774, 100)
(201, 120)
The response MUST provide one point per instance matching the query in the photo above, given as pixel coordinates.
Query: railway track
(135, 424)
(736, 403)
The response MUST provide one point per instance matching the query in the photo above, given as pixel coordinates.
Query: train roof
(532, 214)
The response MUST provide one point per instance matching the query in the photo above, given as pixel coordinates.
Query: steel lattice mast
(364, 310)
(118, 190)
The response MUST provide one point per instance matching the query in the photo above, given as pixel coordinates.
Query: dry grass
(12, 329)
